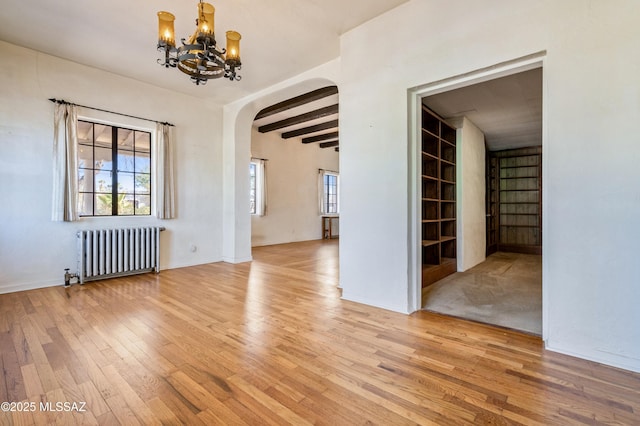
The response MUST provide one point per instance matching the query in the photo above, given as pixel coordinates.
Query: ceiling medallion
(199, 57)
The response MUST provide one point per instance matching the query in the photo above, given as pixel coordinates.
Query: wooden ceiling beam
(319, 138)
(311, 129)
(329, 144)
(297, 101)
(298, 119)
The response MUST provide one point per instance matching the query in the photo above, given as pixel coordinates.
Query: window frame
(326, 193)
(115, 170)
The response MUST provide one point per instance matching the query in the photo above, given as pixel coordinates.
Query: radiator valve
(68, 277)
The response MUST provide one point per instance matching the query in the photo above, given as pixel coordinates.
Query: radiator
(107, 253)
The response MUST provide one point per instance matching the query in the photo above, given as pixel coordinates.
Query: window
(330, 185)
(252, 186)
(258, 187)
(114, 170)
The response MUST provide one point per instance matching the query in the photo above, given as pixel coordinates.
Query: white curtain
(65, 164)
(321, 203)
(261, 186)
(165, 190)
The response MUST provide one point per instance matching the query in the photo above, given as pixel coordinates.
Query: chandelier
(199, 57)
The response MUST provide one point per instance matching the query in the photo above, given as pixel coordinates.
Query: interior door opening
(496, 237)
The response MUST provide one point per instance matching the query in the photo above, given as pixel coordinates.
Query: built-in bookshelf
(516, 200)
(438, 177)
(492, 204)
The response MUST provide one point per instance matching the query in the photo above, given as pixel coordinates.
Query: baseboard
(237, 260)
(30, 286)
(188, 264)
(374, 303)
(601, 357)
(52, 283)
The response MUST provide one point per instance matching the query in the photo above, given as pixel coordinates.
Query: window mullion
(93, 169)
(114, 171)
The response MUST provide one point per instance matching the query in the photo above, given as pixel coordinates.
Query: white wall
(471, 193)
(292, 188)
(34, 250)
(591, 275)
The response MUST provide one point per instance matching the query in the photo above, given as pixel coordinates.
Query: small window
(114, 170)
(258, 187)
(252, 187)
(331, 184)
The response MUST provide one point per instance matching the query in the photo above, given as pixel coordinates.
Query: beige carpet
(505, 290)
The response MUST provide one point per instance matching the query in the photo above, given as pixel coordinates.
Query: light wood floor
(270, 342)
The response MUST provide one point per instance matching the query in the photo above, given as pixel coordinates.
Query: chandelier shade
(166, 34)
(199, 57)
(206, 14)
(233, 46)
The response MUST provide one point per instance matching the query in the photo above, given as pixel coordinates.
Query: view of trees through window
(114, 170)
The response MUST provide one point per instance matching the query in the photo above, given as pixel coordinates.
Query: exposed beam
(302, 118)
(311, 129)
(329, 144)
(297, 101)
(319, 138)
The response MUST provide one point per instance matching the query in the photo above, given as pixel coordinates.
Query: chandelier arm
(170, 59)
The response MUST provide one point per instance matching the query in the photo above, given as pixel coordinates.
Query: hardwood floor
(270, 342)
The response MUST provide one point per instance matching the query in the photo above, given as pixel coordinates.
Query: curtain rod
(330, 171)
(256, 158)
(61, 101)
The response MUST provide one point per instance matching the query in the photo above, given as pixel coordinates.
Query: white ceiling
(508, 110)
(280, 38)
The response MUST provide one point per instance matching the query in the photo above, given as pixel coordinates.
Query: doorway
(296, 143)
(506, 105)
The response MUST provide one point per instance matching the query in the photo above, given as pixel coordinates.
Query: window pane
(125, 204)
(125, 139)
(102, 134)
(143, 204)
(102, 182)
(143, 183)
(330, 193)
(125, 183)
(125, 161)
(85, 157)
(85, 180)
(103, 159)
(103, 204)
(142, 162)
(85, 132)
(85, 204)
(143, 142)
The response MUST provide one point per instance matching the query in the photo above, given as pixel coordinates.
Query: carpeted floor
(505, 290)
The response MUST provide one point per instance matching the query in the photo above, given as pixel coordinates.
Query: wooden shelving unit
(438, 198)
(515, 200)
(492, 203)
